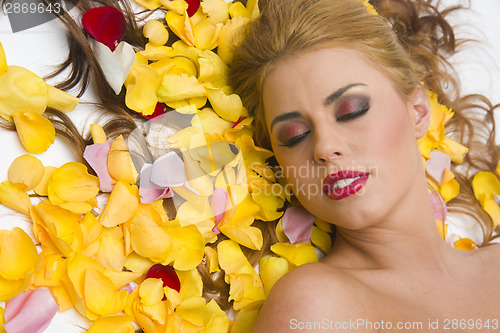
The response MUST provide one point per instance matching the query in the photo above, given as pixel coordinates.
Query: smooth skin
(332, 110)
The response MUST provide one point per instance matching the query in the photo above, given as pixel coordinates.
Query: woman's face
(344, 137)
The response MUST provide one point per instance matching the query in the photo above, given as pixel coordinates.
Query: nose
(328, 146)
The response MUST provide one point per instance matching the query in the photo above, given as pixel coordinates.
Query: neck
(406, 237)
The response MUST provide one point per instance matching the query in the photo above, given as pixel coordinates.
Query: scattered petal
(34, 130)
(31, 311)
(106, 24)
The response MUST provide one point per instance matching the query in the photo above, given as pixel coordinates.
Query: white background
(41, 48)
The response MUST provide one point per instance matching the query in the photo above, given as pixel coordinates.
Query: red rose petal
(193, 6)
(167, 274)
(106, 24)
(238, 121)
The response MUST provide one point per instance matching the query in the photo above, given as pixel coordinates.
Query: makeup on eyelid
(347, 108)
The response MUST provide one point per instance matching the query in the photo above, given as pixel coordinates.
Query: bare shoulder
(312, 294)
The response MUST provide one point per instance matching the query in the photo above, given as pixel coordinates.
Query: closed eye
(296, 139)
(354, 114)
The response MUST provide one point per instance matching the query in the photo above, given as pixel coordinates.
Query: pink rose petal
(30, 312)
(168, 170)
(218, 203)
(298, 224)
(96, 156)
(150, 191)
(106, 24)
(436, 165)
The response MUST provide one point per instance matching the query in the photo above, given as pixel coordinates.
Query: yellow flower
(149, 4)
(187, 247)
(196, 312)
(176, 88)
(61, 100)
(15, 197)
(101, 295)
(72, 188)
(18, 261)
(34, 130)
(297, 254)
(115, 324)
(120, 165)
(61, 225)
(486, 185)
(147, 307)
(213, 70)
(110, 249)
(41, 188)
(245, 285)
(182, 26)
(321, 239)
(147, 238)
(271, 270)
(227, 106)
(155, 31)
(27, 170)
(206, 34)
(21, 90)
(237, 220)
(142, 83)
(245, 319)
(228, 34)
(369, 7)
(3, 60)
(121, 206)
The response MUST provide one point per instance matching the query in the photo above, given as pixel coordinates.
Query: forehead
(309, 77)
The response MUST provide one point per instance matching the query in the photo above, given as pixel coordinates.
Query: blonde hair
(409, 42)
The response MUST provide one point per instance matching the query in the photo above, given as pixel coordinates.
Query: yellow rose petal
(21, 90)
(121, 206)
(61, 100)
(155, 31)
(72, 187)
(35, 131)
(182, 26)
(187, 247)
(98, 134)
(3, 60)
(115, 324)
(228, 107)
(151, 291)
(212, 259)
(206, 34)
(183, 65)
(465, 244)
(297, 254)
(15, 197)
(62, 226)
(271, 269)
(148, 239)
(100, 294)
(120, 165)
(149, 4)
(142, 83)
(179, 87)
(238, 9)
(321, 239)
(41, 188)
(217, 10)
(18, 254)
(27, 170)
(213, 70)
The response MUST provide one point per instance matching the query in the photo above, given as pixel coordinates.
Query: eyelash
(347, 117)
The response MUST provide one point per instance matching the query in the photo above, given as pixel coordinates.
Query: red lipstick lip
(341, 193)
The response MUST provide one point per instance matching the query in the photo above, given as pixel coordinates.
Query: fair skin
(329, 110)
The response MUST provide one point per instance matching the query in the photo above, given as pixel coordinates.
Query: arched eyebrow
(339, 92)
(329, 100)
